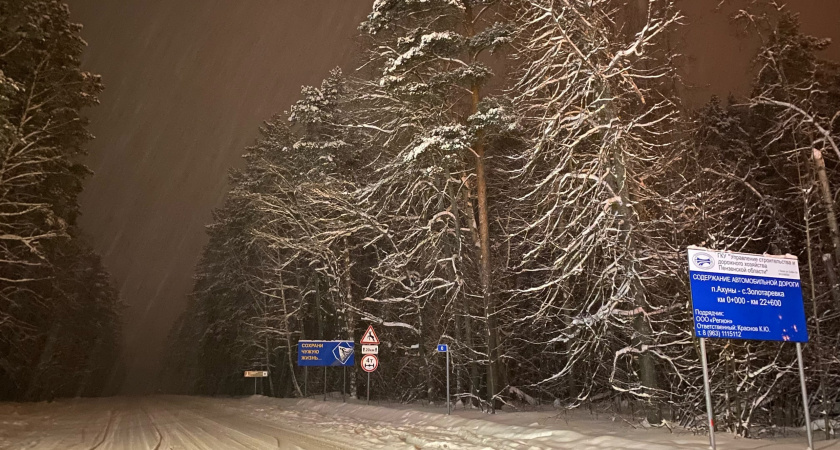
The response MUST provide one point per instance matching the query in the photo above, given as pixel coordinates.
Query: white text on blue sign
(746, 296)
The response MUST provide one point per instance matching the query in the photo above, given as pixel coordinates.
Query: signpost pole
(370, 348)
(255, 386)
(305, 381)
(448, 405)
(804, 397)
(325, 383)
(343, 383)
(708, 393)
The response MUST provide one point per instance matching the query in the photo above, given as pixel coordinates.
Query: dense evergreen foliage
(536, 220)
(59, 314)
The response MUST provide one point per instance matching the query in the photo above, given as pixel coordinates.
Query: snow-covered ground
(176, 422)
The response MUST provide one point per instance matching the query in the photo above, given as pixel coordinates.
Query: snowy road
(152, 423)
(175, 422)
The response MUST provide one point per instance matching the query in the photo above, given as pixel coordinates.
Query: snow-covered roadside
(181, 422)
(430, 427)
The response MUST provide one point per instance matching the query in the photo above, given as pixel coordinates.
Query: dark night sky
(188, 83)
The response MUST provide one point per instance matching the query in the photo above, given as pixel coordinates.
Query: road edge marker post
(445, 349)
(448, 398)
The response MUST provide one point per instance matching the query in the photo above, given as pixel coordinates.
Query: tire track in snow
(269, 429)
(108, 426)
(154, 427)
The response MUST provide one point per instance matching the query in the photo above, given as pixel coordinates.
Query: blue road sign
(325, 353)
(442, 348)
(746, 296)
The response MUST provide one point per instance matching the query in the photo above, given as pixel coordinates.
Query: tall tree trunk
(288, 333)
(43, 362)
(424, 355)
(475, 378)
(457, 259)
(641, 326)
(817, 332)
(268, 366)
(833, 281)
(91, 367)
(348, 315)
(266, 346)
(828, 203)
(457, 360)
(485, 269)
(467, 310)
(831, 219)
(318, 310)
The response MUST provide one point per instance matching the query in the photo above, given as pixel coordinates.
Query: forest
(520, 180)
(60, 326)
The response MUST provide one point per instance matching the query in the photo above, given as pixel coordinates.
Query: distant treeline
(537, 223)
(59, 313)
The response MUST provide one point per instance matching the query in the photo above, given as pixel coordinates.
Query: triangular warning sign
(370, 337)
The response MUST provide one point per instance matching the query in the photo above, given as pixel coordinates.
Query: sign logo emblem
(704, 261)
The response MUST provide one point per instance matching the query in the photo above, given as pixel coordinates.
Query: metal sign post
(804, 397)
(445, 349)
(370, 348)
(256, 374)
(369, 364)
(325, 383)
(709, 411)
(747, 296)
(448, 398)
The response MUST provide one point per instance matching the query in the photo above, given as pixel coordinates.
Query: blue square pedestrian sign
(746, 296)
(442, 348)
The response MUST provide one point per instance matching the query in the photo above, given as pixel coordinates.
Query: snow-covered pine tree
(311, 210)
(428, 83)
(43, 310)
(279, 264)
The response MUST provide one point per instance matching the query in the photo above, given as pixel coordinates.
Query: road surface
(178, 422)
(161, 422)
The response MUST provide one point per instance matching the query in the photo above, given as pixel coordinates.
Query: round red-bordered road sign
(369, 363)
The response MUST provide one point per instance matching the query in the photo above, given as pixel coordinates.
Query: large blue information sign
(325, 353)
(746, 296)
